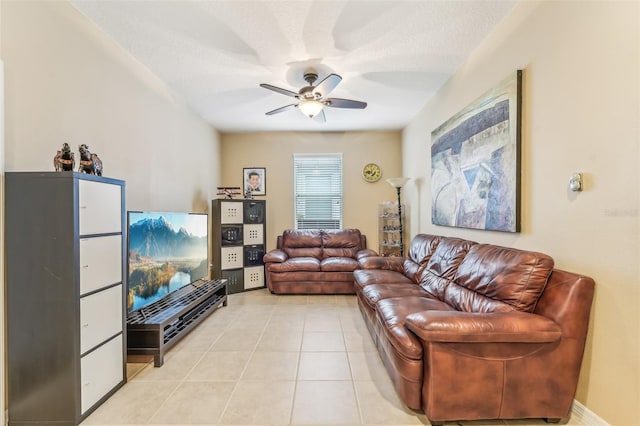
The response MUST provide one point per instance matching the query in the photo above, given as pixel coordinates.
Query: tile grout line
(295, 386)
(237, 381)
(184, 379)
(353, 381)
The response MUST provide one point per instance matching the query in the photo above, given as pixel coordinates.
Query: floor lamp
(398, 183)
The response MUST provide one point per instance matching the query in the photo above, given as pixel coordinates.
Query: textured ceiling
(394, 55)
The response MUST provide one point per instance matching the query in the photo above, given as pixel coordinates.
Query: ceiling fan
(312, 99)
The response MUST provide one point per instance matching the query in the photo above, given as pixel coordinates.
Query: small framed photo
(254, 180)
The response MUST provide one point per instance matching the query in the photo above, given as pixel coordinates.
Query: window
(317, 191)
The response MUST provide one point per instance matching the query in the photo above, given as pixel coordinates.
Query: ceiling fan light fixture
(310, 108)
(313, 98)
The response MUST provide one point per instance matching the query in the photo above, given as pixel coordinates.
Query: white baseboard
(583, 416)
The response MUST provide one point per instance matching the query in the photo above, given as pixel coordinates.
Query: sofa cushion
(301, 243)
(422, 247)
(442, 265)
(389, 263)
(335, 264)
(420, 251)
(295, 264)
(412, 270)
(498, 279)
(364, 277)
(373, 293)
(341, 243)
(391, 314)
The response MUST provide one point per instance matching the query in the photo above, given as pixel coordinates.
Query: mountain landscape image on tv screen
(166, 251)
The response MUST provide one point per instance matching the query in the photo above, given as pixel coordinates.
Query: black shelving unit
(238, 243)
(155, 328)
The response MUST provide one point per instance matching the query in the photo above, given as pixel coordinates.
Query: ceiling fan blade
(345, 103)
(281, 109)
(328, 84)
(279, 90)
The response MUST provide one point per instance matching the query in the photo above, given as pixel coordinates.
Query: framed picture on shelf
(254, 180)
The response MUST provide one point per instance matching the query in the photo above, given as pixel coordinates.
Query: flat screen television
(165, 252)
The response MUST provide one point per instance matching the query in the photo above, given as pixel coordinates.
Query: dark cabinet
(65, 295)
(238, 243)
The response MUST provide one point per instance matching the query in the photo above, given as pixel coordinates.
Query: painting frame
(247, 185)
(475, 162)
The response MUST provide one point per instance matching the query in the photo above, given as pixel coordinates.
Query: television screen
(166, 251)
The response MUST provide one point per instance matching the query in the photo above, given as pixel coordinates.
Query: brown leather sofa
(471, 331)
(315, 261)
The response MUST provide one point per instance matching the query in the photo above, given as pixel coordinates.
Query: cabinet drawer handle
(85, 266)
(86, 384)
(85, 325)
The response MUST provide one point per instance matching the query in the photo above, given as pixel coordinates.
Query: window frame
(333, 197)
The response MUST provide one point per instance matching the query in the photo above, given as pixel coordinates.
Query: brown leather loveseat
(472, 331)
(315, 261)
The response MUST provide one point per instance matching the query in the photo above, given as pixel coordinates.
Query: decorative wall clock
(371, 172)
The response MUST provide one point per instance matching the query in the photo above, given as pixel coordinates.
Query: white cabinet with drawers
(100, 262)
(100, 317)
(66, 346)
(100, 371)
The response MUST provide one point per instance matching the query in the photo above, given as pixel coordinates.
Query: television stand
(158, 326)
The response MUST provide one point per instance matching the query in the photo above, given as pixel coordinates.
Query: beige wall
(275, 152)
(66, 81)
(581, 113)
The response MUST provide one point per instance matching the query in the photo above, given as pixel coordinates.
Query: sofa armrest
(468, 327)
(382, 262)
(275, 256)
(361, 254)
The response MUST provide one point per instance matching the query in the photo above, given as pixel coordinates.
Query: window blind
(318, 191)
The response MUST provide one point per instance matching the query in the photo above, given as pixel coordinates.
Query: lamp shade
(397, 182)
(310, 108)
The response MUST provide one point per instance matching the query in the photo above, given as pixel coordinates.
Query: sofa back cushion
(422, 247)
(498, 279)
(341, 243)
(302, 243)
(420, 250)
(443, 264)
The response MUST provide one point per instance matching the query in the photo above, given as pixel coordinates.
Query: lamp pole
(400, 224)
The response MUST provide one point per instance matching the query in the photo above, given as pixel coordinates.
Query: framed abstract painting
(475, 162)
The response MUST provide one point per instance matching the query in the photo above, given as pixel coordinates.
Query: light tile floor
(268, 360)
